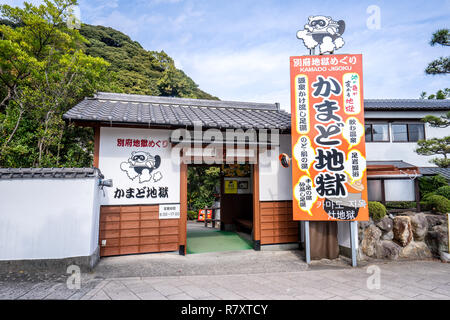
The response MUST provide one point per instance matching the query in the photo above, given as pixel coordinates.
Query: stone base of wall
(280, 247)
(408, 235)
(56, 266)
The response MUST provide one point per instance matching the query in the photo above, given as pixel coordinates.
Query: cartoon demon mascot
(141, 164)
(324, 32)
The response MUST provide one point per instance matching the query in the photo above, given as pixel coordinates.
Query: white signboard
(169, 211)
(140, 163)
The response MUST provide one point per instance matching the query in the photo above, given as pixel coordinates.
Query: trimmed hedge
(439, 204)
(444, 191)
(401, 204)
(377, 210)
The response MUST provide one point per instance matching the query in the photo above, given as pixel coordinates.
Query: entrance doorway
(220, 208)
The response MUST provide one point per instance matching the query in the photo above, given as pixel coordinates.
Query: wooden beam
(96, 146)
(417, 194)
(256, 209)
(383, 192)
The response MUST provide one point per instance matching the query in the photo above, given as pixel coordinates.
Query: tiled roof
(431, 171)
(42, 173)
(132, 109)
(111, 108)
(406, 104)
(400, 164)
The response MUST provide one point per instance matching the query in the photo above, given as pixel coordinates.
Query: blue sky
(239, 50)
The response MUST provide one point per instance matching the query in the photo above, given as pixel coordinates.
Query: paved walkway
(322, 280)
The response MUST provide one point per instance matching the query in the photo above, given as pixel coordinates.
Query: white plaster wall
(399, 190)
(48, 218)
(382, 151)
(343, 234)
(275, 182)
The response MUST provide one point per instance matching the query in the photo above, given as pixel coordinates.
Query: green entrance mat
(214, 240)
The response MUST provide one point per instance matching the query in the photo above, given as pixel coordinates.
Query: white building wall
(275, 181)
(48, 218)
(399, 190)
(382, 151)
(343, 234)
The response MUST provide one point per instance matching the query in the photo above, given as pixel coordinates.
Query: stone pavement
(321, 280)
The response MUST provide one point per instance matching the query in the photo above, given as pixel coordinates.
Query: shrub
(377, 210)
(192, 215)
(439, 204)
(431, 184)
(401, 205)
(444, 191)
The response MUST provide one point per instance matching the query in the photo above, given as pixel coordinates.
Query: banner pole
(353, 230)
(307, 243)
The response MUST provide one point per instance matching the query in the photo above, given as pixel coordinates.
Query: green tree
(202, 184)
(135, 70)
(437, 146)
(43, 73)
(442, 64)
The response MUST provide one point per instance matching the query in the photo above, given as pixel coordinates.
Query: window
(411, 132)
(377, 132)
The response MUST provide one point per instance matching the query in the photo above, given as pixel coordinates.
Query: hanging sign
(328, 146)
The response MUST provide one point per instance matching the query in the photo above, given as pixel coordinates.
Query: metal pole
(307, 243)
(353, 234)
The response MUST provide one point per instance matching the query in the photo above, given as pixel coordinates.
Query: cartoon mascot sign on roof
(324, 32)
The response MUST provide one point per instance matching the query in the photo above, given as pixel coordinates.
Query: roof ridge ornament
(322, 32)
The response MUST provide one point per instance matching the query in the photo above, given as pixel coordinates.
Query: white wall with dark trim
(44, 218)
(383, 151)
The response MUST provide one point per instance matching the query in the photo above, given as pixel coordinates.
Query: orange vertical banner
(328, 145)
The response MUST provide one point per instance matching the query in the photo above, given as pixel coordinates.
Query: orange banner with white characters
(328, 147)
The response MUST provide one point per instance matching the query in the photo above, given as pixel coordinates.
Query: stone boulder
(416, 250)
(402, 230)
(435, 220)
(437, 239)
(388, 235)
(387, 250)
(419, 225)
(386, 224)
(370, 240)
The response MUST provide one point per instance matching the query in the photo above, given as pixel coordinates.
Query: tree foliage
(442, 64)
(437, 146)
(46, 68)
(43, 72)
(202, 184)
(135, 70)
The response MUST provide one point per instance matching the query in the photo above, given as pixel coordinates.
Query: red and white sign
(328, 145)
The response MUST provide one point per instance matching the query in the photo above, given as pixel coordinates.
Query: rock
(388, 235)
(419, 224)
(435, 220)
(437, 239)
(370, 239)
(407, 213)
(364, 224)
(402, 230)
(387, 250)
(386, 224)
(445, 257)
(416, 250)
